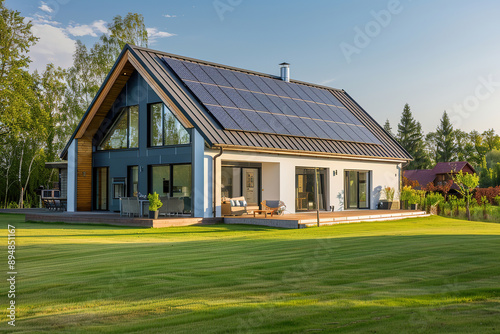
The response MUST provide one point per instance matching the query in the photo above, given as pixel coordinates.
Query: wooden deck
(109, 218)
(309, 219)
(299, 220)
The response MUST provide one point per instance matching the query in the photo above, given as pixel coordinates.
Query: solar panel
(287, 123)
(241, 119)
(198, 72)
(216, 76)
(179, 68)
(273, 123)
(202, 94)
(274, 86)
(261, 84)
(219, 96)
(249, 84)
(315, 128)
(236, 98)
(231, 78)
(281, 105)
(285, 86)
(258, 121)
(268, 104)
(223, 117)
(250, 102)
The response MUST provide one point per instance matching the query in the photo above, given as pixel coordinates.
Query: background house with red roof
(440, 174)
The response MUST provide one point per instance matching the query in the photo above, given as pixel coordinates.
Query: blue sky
(434, 55)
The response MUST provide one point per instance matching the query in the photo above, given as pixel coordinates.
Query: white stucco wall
(199, 176)
(72, 163)
(278, 175)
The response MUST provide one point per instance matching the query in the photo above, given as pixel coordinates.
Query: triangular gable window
(124, 133)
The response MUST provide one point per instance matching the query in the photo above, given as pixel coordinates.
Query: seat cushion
(273, 204)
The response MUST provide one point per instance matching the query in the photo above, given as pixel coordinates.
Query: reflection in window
(124, 133)
(133, 175)
(181, 181)
(165, 129)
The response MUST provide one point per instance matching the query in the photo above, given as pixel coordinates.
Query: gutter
(215, 179)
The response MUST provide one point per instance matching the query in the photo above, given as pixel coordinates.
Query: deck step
(359, 219)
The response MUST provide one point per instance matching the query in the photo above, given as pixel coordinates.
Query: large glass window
(357, 189)
(305, 188)
(172, 181)
(165, 129)
(124, 133)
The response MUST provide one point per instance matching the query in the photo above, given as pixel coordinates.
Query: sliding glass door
(357, 189)
(305, 188)
(241, 179)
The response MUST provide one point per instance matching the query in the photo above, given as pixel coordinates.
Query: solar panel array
(248, 102)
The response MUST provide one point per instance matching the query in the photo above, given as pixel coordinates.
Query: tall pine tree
(445, 140)
(410, 136)
(388, 128)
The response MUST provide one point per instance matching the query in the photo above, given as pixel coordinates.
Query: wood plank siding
(84, 174)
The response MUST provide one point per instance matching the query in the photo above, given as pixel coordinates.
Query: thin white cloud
(42, 19)
(168, 15)
(44, 7)
(154, 34)
(326, 82)
(93, 29)
(54, 46)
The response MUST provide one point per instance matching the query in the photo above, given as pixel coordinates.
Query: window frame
(118, 116)
(150, 132)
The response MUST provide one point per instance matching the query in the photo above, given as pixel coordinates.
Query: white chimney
(285, 72)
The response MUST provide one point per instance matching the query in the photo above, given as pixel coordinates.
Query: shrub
(490, 193)
(12, 205)
(406, 193)
(433, 199)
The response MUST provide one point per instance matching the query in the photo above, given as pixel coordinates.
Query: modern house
(440, 174)
(200, 131)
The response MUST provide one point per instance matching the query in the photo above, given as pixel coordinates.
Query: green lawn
(427, 275)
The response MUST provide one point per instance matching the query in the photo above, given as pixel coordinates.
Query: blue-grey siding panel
(136, 92)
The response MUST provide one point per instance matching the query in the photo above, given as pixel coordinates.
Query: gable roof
(245, 110)
(422, 176)
(449, 167)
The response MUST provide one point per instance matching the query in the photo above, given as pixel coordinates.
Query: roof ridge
(232, 68)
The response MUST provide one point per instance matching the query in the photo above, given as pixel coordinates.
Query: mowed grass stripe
(416, 275)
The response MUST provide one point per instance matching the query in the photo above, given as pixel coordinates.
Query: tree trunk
(20, 183)
(467, 208)
(29, 174)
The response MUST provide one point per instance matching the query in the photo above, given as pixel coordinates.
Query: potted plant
(389, 203)
(154, 205)
(413, 200)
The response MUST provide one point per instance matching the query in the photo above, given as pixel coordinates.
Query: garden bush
(490, 193)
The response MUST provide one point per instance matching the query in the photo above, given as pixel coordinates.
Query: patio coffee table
(265, 212)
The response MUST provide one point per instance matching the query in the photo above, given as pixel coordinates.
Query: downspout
(215, 179)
